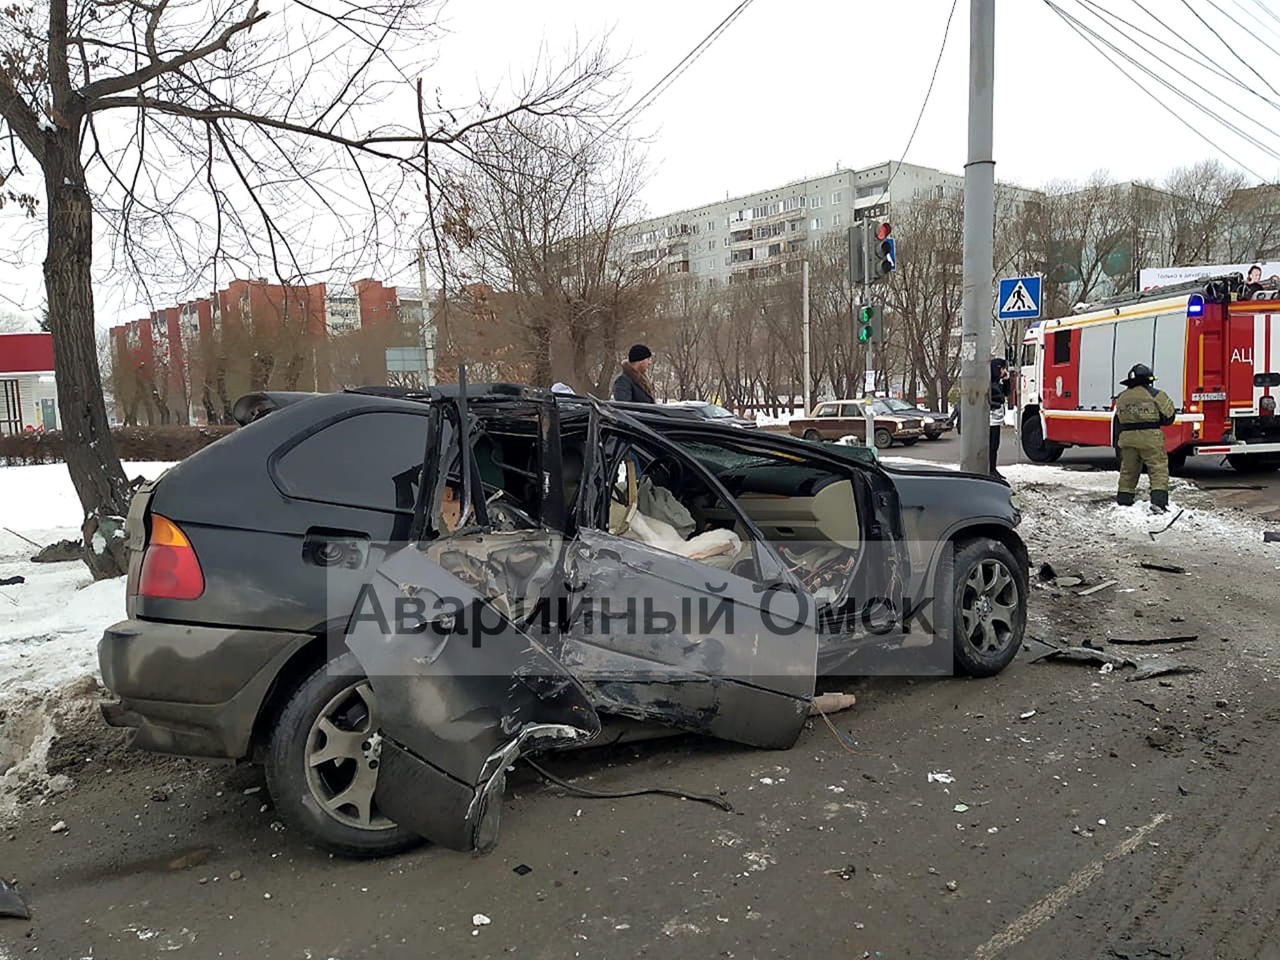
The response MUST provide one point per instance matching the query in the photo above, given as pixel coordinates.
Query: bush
(167, 444)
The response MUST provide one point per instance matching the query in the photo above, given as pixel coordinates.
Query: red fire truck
(1214, 352)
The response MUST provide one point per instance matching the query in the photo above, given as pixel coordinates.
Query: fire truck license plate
(1208, 396)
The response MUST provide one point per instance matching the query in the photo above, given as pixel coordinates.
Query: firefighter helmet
(1139, 374)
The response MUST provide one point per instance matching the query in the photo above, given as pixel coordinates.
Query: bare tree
(541, 220)
(174, 120)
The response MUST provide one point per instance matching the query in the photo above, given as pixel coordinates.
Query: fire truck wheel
(1177, 463)
(1253, 463)
(1034, 445)
(989, 590)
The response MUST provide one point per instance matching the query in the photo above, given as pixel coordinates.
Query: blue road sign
(1019, 298)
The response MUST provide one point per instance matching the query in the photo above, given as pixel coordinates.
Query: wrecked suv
(387, 597)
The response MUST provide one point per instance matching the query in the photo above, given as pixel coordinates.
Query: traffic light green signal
(868, 323)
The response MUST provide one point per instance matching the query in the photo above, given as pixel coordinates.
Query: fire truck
(1214, 345)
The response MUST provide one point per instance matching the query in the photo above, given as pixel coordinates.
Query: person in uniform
(1140, 413)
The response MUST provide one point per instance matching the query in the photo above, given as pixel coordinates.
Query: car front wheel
(322, 765)
(989, 592)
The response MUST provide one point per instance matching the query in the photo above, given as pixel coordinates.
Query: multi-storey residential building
(763, 234)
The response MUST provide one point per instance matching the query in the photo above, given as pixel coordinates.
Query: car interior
(647, 495)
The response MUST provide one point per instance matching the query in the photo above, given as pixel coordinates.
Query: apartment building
(762, 234)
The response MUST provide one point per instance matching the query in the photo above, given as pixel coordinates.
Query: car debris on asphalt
(1097, 589)
(1146, 641)
(1156, 533)
(11, 903)
(1161, 666)
(1162, 567)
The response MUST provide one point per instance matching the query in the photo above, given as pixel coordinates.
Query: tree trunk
(90, 452)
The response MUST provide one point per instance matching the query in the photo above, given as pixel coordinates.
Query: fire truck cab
(1216, 354)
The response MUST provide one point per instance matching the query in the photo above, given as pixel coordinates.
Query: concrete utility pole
(808, 361)
(979, 240)
(868, 379)
(426, 325)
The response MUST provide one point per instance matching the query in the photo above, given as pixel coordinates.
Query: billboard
(1266, 272)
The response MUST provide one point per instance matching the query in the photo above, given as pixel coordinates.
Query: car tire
(812, 435)
(935, 435)
(985, 636)
(1252, 463)
(883, 438)
(1035, 446)
(308, 793)
(910, 443)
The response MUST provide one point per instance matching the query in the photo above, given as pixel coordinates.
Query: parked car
(847, 418)
(714, 412)
(935, 424)
(387, 597)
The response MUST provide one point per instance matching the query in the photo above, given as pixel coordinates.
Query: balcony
(741, 236)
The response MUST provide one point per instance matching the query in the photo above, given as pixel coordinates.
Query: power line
(946, 32)
(1262, 23)
(1250, 138)
(1180, 48)
(1187, 4)
(649, 96)
(1195, 83)
(1249, 33)
(1088, 36)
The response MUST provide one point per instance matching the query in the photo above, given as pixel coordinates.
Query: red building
(28, 388)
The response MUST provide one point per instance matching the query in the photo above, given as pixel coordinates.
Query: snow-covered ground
(51, 623)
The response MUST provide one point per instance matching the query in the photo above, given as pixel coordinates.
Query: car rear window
(370, 460)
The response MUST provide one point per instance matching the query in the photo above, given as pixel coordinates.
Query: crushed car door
(439, 630)
(706, 632)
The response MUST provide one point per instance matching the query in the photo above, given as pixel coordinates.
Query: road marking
(1026, 924)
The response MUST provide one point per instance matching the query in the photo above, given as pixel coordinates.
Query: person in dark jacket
(633, 384)
(999, 402)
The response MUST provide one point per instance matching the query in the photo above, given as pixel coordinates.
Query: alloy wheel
(988, 606)
(343, 751)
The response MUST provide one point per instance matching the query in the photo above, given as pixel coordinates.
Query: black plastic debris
(1150, 640)
(1271, 536)
(1162, 567)
(523, 870)
(11, 904)
(11, 581)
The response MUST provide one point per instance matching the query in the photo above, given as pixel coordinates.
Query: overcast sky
(788, 91)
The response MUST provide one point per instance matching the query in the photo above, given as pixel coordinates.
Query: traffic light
(857, 255)
(883, 254)
(868, 323)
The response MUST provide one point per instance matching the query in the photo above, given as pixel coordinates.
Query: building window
(711, 244)
(711, 226)
(775, 249)
(835, 219)
(837, 197)
(817, 223)
(815, 203)
(872, 191)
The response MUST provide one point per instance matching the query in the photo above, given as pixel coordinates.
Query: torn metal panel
(12, 904)
(672, 640)
(462, 691)
(1160, 666)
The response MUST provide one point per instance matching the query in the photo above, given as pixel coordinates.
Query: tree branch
(95, 93)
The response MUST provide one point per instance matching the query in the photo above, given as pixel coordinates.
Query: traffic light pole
(869, 259)
(979, 238)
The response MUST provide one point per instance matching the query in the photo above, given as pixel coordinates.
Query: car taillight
(170, 568)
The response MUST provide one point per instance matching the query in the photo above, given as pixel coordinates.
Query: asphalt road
(1080, 816)
(1256, 493)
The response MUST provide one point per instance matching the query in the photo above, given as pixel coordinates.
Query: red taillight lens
(170, 568)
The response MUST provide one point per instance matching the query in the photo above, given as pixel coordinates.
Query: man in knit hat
(633, 384)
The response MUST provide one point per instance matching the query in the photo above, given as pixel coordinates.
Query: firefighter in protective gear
(1140, 413)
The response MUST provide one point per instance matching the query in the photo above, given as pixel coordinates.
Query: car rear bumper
(188, 690)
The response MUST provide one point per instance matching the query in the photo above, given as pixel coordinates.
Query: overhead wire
(1091, 37)
(1195, 83)
(946, 32)
(1253, 36)
(647, 99)
(1180, 48)
(1262, 23)
(1230, 48)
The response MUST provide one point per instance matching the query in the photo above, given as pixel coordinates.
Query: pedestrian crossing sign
(1019, 298)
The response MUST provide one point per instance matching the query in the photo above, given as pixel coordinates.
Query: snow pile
(782, 420)
(50, 624)
(1069, 507)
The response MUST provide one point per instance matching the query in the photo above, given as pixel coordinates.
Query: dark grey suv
(388, 597)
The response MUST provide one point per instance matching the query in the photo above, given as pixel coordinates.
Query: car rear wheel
(989, 594)
(812, 435)
(322, 766)
(883, 438)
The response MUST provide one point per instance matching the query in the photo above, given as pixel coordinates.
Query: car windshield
(883, 406)
(715, 411)
(898, 406)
